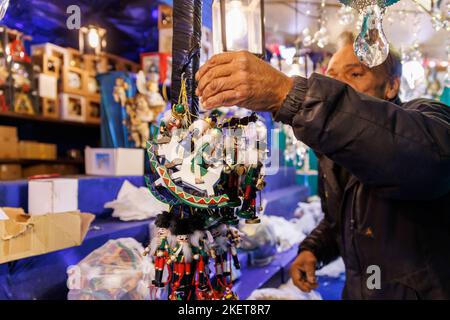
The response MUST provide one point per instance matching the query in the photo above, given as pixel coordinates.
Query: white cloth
(333, 269)
(287, 291)
(135, 203)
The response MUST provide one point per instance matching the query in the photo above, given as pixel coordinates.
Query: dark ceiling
(130, 24)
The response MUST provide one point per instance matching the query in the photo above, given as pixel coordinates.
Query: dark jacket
(384, 180)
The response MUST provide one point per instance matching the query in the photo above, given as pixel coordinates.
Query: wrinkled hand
(303, 271)
(240, 78)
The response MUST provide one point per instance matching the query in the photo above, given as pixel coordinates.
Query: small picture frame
(50, 108)
(93, 111)
(92, 86)
(23, 104)
(72, 107)
(73, 81)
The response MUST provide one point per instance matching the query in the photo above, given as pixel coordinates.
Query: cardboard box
(9, 150)
(37, 150)
(10, 172)
(114, 161)
(22, 235)
(8, 134)
(40, 169)
(52, 196)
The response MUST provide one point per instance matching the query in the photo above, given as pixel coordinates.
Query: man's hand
(303, 271)
(240, 78)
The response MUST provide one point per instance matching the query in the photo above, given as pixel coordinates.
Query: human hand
(303, 271)
(241, 78)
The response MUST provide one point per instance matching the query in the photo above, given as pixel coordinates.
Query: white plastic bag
(115, 271)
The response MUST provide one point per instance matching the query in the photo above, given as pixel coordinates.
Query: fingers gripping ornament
(159, 247)
(371, 46)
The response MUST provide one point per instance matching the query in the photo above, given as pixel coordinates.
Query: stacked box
(9, 143)
(10, 171)
(37, 150)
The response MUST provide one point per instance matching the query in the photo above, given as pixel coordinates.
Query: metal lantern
(92, 39)
(238, 25)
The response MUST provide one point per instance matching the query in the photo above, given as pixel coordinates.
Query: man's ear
(392, 88)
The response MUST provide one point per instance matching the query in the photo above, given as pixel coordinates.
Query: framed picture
(165, 17)
(157, 62)
(23, 104)
(93, 111)
(92, 86)
(50, 108)
(73, 107)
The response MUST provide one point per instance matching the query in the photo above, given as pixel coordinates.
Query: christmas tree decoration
(371, 46)
(159, 247)
(208, 170)
(210, 174)
(346, 15)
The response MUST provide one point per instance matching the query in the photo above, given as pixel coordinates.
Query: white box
(52, 196)
(48, 86)
(114, 161)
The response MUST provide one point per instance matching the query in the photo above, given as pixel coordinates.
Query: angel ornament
(120, 91)
(144, 109)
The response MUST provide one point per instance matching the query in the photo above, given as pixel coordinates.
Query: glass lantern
(92, 39)
(238, 25)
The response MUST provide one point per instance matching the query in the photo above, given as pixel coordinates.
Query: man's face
(345, 66)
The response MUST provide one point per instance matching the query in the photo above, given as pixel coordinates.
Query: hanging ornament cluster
(346, 15)
(295, 150)
(307, 37)
(371, 46)
(440, 15)
(321, 36)
(209, 173)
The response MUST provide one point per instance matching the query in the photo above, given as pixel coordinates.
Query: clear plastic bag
(115, 271)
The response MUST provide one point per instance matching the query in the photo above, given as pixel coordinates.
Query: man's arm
(322, 242)
(319, 248)
(402, 151)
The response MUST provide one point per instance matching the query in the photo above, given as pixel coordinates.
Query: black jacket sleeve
(402, 151)
(322, 241)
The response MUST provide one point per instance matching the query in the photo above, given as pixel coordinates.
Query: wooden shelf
(38, 118)
(42, 161)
